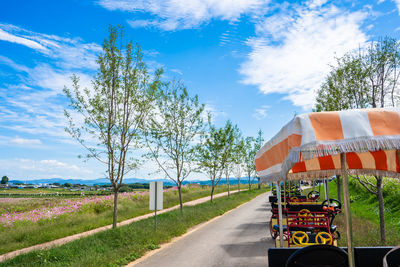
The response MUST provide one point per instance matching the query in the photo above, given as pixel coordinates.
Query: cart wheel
(336, 235)
(300, 238)
(324, 238)
(273, 233)
(294, 199)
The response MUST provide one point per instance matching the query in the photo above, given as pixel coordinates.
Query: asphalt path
(238, 238)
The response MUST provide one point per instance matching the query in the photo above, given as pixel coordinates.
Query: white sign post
(156, 199)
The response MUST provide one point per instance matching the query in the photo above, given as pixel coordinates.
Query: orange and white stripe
(310, 144)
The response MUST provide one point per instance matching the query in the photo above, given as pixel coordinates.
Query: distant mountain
(102, 181)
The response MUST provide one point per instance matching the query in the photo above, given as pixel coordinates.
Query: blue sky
(255, 62)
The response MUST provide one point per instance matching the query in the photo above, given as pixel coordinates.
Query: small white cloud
(215, 113)
(177, 71)
(68, 53)
(261, 112)
(397, 2)
(5, 36)
(140, 23)
(22, 141)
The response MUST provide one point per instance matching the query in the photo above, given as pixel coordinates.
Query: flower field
(31, 221)
(66, 206)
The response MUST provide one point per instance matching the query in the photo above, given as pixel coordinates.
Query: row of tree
(129, 113)
(367, 78)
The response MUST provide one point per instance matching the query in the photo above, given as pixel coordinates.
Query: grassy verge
(25, 234)
(365, 214)
(122, 245)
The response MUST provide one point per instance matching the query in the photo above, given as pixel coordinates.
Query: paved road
(239, 238)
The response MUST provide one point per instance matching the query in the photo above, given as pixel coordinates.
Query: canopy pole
(346, 202)
(284, 195)
(325, 189)
(278, 195)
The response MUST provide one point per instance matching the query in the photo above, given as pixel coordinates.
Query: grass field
(365, 213)
(29, 222)
(120, 246)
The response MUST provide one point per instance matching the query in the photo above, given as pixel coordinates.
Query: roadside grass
(365, 213)
(25, 234)
(124, 244)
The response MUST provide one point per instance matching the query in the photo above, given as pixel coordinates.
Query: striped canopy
(309, 146)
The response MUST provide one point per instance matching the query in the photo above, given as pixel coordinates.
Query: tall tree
(239, 153)
(368, 78)
(230, 165)
(114, 110)
(176, 123)
(251, 147)
(213, 152)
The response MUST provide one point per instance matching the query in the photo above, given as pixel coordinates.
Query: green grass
(120, 246)
(365, 213)
(25, 234)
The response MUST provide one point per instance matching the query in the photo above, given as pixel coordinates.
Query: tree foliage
(362, 79)
(366, 79)
(172, 130)
(214, 152)
(111, 114)
(4, 179)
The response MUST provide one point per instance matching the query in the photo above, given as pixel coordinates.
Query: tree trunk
(180, 197)
(227, 182)
(238, 185)
(115, 208)
(259, 184)
(212, 191)
(338, 188)
(249, 183)
(381, 209)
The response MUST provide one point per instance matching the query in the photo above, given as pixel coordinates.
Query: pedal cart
(321, 145)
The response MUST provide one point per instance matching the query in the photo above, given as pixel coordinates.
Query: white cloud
(294, 47)
(182, 14)
(22, 141)
(5, 36)
(397, 2)
(261, 112)
(215, 112)
(23, 168)
(68, 53)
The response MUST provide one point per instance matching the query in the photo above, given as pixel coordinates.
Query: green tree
(213, 152)
(368, 78)
(176, 123)
(109, 117)
(4, 179)
(231, 146)
(239, 153)
(251, 148)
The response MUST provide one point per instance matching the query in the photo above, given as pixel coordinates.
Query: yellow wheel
(300, 238)
(294, 199)
(324, 238)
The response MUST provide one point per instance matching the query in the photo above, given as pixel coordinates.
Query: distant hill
(102, 181)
